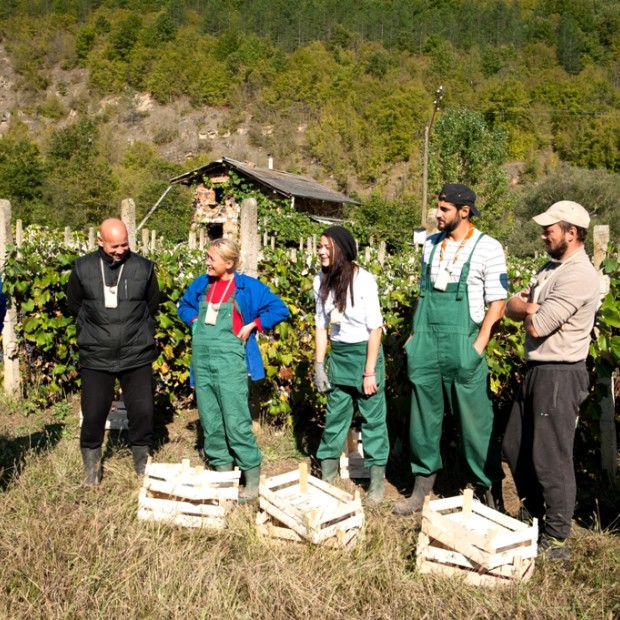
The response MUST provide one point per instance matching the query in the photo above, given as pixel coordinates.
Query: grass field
(68, 552)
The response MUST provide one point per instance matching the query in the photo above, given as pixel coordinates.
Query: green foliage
(21, 170)
(35, 279)
(598, 191)
(390, 220)
(77, 175)
(465, 149)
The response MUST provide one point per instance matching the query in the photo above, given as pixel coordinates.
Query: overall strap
(465, 270)
(426, 267)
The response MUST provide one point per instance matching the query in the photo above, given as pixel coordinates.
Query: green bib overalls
(221, 383)
(441, 360)
(346, 369)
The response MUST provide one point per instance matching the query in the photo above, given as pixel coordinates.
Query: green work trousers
(442, 362)
(345, 370)
(221, 382)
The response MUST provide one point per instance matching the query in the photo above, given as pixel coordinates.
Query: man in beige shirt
(557, 310)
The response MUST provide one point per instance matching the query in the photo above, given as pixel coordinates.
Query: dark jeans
(97, 396)
(539, 441)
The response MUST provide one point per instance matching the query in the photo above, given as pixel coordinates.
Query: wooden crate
(188, 496)
(352, 459)
(461, 536)
(117, 417)
(300, 507)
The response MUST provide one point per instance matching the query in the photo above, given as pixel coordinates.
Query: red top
(221, 291)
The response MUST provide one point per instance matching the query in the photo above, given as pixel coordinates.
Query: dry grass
(66, 552)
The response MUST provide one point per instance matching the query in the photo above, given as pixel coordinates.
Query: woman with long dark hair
(348, 316)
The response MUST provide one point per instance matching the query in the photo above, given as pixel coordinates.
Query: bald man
(114, 294)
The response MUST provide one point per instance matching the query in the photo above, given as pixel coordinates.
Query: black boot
(491, 496)
(423, 486)
(140, 457)
(329, 469)
(92, 466)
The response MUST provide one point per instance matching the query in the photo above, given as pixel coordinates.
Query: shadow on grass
(163, 416)
(14, 450)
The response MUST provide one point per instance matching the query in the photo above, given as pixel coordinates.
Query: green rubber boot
(423, 486)
(250, 491)
(329, 469)
(376, 490)
(225, 467)
(92, 466)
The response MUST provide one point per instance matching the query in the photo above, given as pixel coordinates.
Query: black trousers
(539, 438)
(97, 396)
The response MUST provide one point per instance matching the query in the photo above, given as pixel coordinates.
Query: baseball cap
(564, 211)
(459, 194)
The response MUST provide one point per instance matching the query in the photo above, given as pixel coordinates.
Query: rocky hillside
(179, 131)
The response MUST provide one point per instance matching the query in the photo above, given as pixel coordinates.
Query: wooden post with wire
(427, 137)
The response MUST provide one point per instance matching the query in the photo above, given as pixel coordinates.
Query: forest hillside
(106, 99)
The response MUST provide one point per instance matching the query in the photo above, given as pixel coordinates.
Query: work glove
(321, 382)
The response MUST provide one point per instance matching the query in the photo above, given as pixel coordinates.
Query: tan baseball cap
(564, 211)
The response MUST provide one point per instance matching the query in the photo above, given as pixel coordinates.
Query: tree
(465, 149)
(21, 171)
(79, 186)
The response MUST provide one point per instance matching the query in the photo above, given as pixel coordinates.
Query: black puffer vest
(121, 338)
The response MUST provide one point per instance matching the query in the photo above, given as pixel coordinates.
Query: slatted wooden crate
(352, 459)
(461, 536)
(117, 417)
(297, 506)
(188, 496)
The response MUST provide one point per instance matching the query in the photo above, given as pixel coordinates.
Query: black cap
(344, 240)
(459, 194)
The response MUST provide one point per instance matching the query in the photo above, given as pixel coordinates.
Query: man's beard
(449, 227)
(559, 250)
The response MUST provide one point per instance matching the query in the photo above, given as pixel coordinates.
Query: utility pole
(427, 135)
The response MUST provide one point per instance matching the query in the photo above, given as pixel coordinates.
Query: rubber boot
(376, 490)
(329, 469)
(92, 466)
(423, 486)
(140, 457)
(250, 490)
(225, 467)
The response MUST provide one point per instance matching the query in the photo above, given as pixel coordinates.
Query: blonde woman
(225, 309)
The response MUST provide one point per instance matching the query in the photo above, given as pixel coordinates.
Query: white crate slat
(462, 536)
(314, 510)
(178, 494)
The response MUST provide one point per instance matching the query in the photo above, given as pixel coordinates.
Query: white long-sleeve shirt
(361, 315)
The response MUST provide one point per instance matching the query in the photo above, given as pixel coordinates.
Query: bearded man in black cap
(463, 290)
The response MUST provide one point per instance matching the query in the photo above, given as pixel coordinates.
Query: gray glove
(321, 382)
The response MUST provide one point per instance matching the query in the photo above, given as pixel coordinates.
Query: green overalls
(442, 359)
(221, 382)
(346, 368)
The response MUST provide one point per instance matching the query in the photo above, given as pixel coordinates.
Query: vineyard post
(128, 215)
(10, 350)
(607, 422)
(249, 238)
(91, 239)
(381, 256)
(145, 240)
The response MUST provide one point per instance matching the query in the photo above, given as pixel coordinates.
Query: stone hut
(216, 207)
